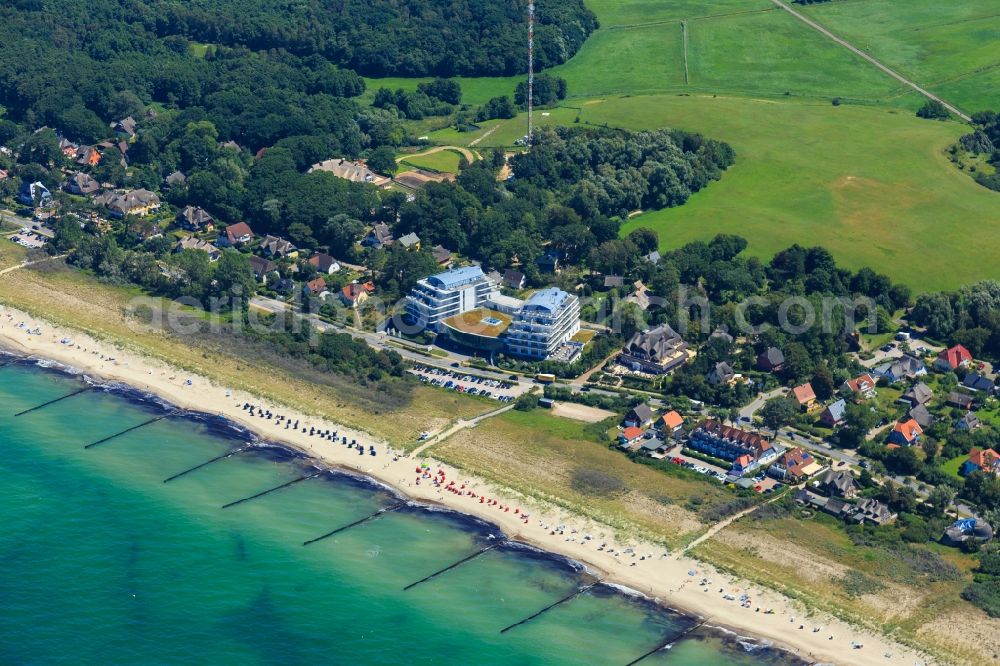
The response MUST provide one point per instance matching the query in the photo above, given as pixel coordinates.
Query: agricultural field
(947, 47)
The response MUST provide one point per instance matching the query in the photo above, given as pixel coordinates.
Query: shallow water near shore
(103, 562)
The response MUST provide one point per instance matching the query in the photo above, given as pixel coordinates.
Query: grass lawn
(443, 161)
(936, 44)
(511, 130)
(540, 455)
(953, 465)
(872, 185)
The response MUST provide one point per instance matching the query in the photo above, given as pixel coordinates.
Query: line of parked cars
(29, 239)
(468, 384)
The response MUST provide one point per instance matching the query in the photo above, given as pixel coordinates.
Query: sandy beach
(674, 580)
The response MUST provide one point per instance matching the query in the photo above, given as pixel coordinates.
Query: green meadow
(866, 179)
(948, 47)
(443, 161)
(872, 185)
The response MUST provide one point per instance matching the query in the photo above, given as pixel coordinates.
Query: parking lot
(29, 239)
(457, 380)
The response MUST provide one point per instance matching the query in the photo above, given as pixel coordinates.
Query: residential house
(442, 256)
(135, 202)
(906, 368)
(196, 219)
(721, 374)
(513, 279)
(746, 450)
(124, 128)
(834, 414)
(921, 415)
(656, 351)
(862, 386)
(655, 448)
(918, 394)
(872, 511)
(986, 461)
(640, 296)
(410, 241)
(67, 147)
(653, 257)
(906, 433)
(613, 281)
(379, 236)
(192, 243)
(671, 422)
(639, 416)
(960, 400)
(969, 422)
(277, 248)
(356, 172)
(805, 396)
(237, 234)
(88, 156)
(354, 294)
(974, 381)
(964, 529)
(548, 262)
(838, 484)
(793, 465)
(316, 286)
(722, 333)
(34, 194)
(771, 360)
(630, 437)
(3, 175)
(262, 268)
(81, 184)
(324, 263)
(953, 358)
(176, 179)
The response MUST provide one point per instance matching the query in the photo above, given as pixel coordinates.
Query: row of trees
(970, 315)
(983, 141)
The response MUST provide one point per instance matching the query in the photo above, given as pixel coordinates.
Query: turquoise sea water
(101, 562)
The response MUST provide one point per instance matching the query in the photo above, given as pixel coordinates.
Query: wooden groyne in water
(667, 643)
(371, 516)
(52, 402)
(550, 607)
(128, 430)
(276, 488)
(468, 558)
(206, 463)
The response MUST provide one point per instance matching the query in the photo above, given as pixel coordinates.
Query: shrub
(595, 482)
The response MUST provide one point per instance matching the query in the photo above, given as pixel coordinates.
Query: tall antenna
(531, 70)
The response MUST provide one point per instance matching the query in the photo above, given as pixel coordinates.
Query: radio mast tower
(531, 70)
